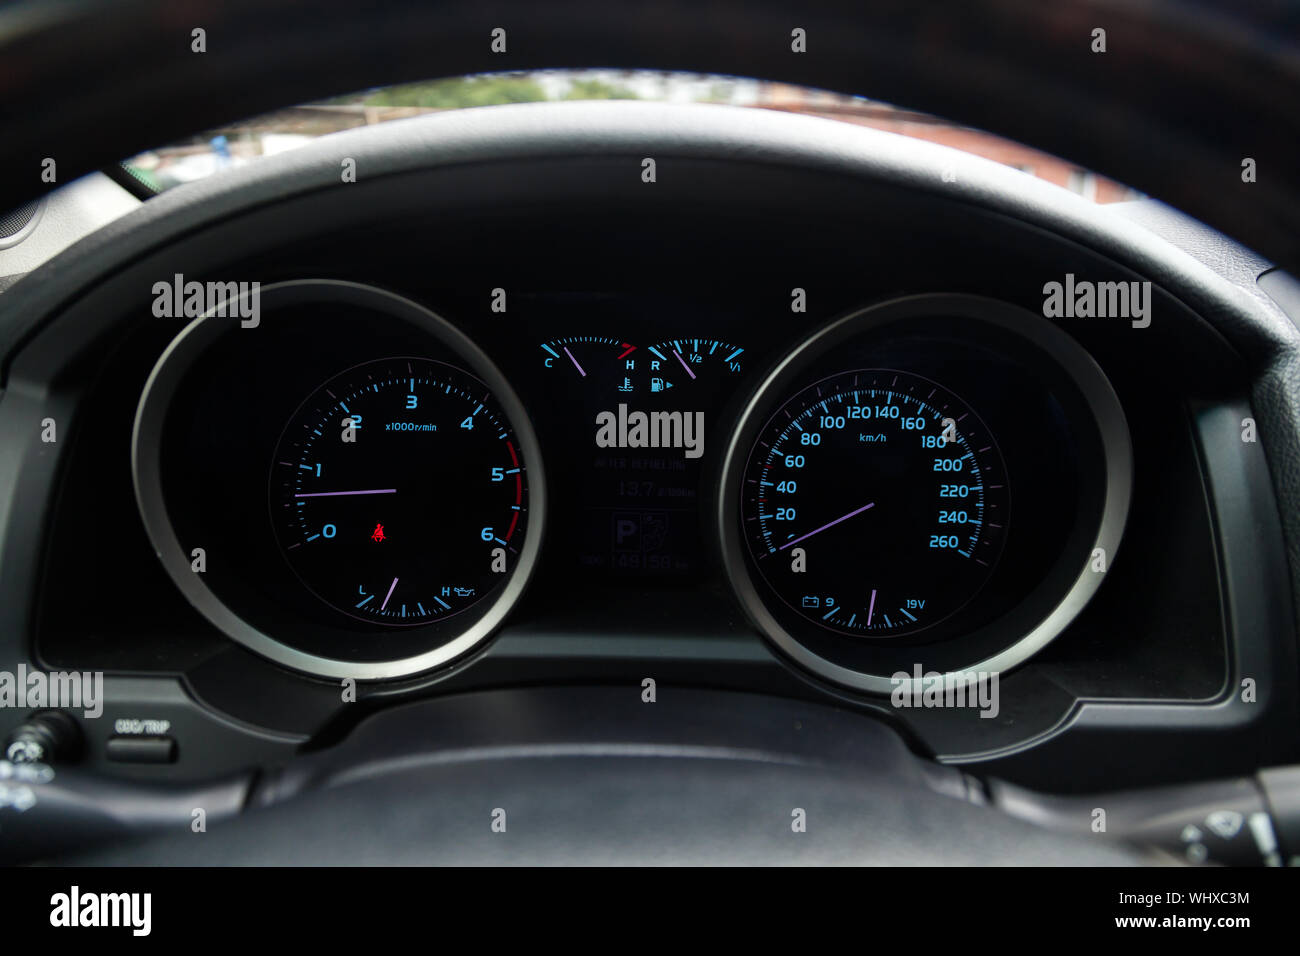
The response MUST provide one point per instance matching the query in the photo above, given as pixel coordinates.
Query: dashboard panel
(404, 471)
(645, 375)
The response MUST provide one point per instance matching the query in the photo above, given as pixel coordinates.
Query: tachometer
(398, 492)
(370, 506)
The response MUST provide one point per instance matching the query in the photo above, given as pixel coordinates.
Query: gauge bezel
(779, 385)
(146, 465)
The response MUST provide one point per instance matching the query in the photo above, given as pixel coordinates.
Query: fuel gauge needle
(684, 365)
(829, 524)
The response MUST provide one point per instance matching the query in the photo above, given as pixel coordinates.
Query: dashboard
(375, 504)
(796, 420)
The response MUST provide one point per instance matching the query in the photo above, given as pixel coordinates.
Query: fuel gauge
(677, 362)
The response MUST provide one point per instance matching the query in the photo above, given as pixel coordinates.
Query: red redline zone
(519, 490)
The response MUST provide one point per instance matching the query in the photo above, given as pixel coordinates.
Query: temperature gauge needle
(829, 524)
(574, 361)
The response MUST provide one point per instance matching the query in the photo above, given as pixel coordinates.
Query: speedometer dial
(399, 494)
(875, 503)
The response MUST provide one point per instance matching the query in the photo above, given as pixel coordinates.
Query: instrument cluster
(365, 488)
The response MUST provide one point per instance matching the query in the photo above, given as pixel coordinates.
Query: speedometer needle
(829, 524)
(334, 494)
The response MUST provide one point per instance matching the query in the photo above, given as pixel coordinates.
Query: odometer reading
(875, 503)
(398, 492)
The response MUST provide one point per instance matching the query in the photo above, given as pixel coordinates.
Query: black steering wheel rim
(1183, 94)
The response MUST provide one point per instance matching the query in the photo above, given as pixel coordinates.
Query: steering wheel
(1169, 98)
(1182, 94)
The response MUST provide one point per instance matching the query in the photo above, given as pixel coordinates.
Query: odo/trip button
(133, 748)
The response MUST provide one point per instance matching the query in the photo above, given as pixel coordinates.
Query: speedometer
(874, 528)
(875, 503)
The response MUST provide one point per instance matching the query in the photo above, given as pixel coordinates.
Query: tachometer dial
(875, 503)
(399, 493)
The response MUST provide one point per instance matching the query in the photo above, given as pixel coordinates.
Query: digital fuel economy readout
(398, 492)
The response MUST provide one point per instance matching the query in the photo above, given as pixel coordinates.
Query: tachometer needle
(829, 524)
(335, 494)
(392, 587)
